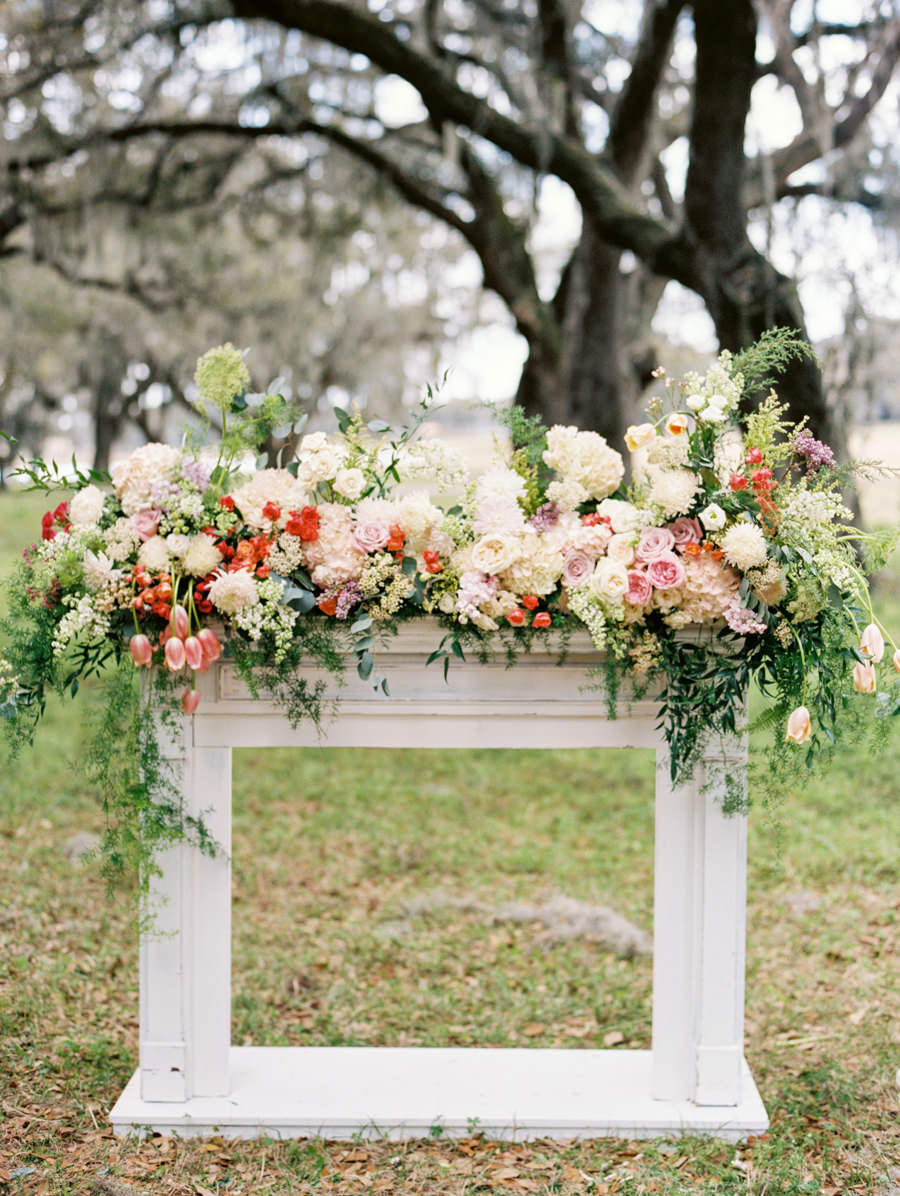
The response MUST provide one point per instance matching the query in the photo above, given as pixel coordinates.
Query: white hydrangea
(673, 490)
(744, 546)
(231, 592)
(420, 520)
(585, 458)
(671, 452)
(86, 507)
(538, 567)
(318, 459)
(120, 540)
(432, 460)
(496, 502)
(624, 516)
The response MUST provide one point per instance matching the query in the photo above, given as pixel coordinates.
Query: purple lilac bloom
(196, 473)
(815, 453)
(350, 595)
(545, 517)
(162, 493)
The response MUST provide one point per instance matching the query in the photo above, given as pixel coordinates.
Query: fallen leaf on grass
(533, 1029)
(613, 1038)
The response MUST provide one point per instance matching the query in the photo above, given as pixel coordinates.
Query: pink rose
(577, 569)
(685, 531)
(369, 537)
(666, 572)
(653, 543)
(145, 522)
(639, 588)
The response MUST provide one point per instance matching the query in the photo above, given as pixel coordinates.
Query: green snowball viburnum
(221, 375)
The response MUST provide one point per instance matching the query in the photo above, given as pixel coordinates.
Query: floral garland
(733, 522)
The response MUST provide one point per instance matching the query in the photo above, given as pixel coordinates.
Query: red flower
(738, 482)
(271, 511)
(47, 532)
(305, 524)
(754, 457)
(432, 561)
(225, 549)
(61, 514)
(530, 601)
(516, 617)
(328, 606)
(763, 481)
(593, 519)
(226, 502)
(542, 619)
(263, 571)
(396, 538)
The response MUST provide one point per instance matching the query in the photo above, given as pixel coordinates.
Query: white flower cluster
(84, 620)
(134, 479)
(714, 396)
(269, 485)
(267, 615)
(587, 466)
(318, 460)
(434, 461)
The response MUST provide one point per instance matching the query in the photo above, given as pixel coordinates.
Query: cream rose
(621, 548)
(610, 580)
(493, 554)
(349, 483)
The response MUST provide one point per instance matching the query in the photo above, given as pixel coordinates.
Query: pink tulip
(190, 700)
(212, 649)
(864, 678)
(141, 650)
(175, 654)
(181, 622)
(871, 644)
(799, 727)
(193, 652)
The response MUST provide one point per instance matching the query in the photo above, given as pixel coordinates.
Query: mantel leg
(699, 931)
(186, 959)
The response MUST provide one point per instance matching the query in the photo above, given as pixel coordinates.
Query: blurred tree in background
(303, 176)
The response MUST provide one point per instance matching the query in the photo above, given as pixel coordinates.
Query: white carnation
(744, 546)
(154, 555)
(98, 570)
(86, 507)
(202, 556)
(673, 490)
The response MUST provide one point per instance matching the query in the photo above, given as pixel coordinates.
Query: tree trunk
(586, 381)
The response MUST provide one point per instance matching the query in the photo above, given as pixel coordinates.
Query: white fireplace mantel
(191, 1081)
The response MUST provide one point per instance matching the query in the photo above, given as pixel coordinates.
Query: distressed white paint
(695, 1079)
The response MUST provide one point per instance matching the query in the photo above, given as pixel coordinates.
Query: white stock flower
(86, 507)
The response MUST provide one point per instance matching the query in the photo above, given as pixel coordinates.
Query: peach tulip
(193, 652)
(677, 424)
(799, 726)
(181, 622)
(141, 650)
(639, 436)
(175, 654)
(871, 644)
(190, 700)
(896, 660)
(864, 679)
(212, 649)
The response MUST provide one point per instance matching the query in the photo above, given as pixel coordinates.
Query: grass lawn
(364, 885)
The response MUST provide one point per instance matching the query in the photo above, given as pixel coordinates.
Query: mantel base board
(399, 1092)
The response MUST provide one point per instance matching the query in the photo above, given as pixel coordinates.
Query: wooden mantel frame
(191, 1081)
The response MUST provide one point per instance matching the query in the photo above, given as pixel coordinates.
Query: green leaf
(378, 425)
(365, 665)
(300, 423)
(344, 419)
(457, 650)
(254, 400)
(281, 431)
(364, 643)
(408, 565)
(363, 623)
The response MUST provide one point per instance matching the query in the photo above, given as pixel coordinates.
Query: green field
(369, 895)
